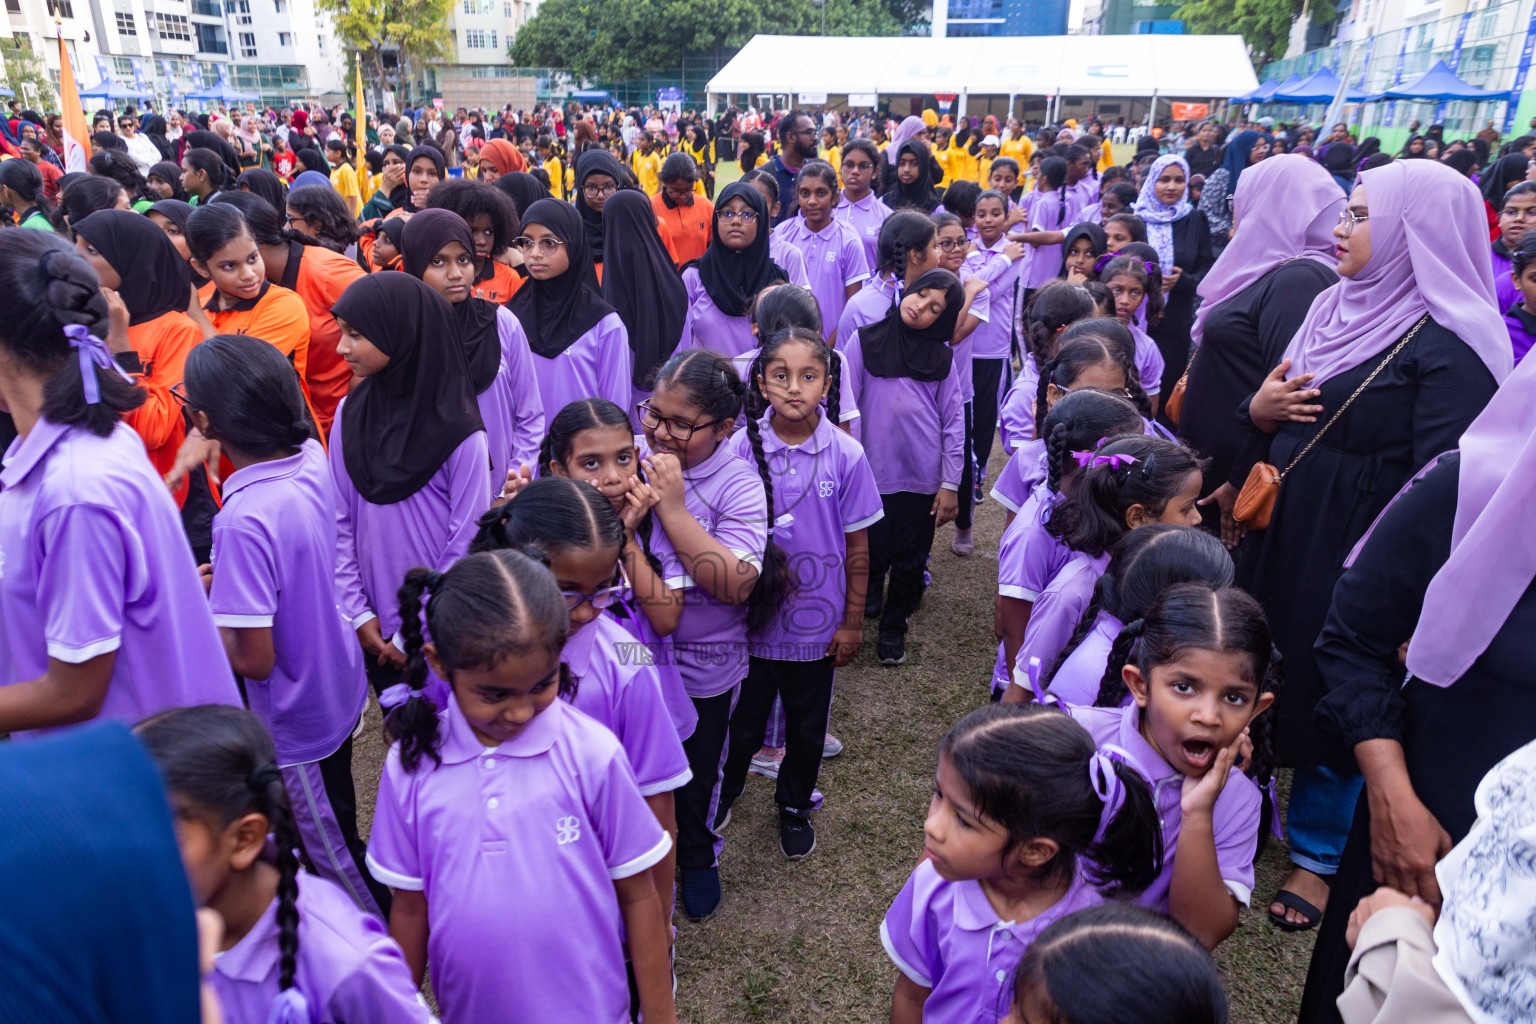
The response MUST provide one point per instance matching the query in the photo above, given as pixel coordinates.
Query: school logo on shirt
(830, 257)
(825, 488)
(567, 829)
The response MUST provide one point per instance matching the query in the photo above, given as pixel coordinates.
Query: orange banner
(74, 115)
(1189, 111)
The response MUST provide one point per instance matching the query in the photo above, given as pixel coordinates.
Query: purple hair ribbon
(1037, 686)
(93, 352)
(1088, 460)
(1106, 781)
(290, 1007)
(396, 695)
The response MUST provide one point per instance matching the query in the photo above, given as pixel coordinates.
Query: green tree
(22, 68)
(1265, 25)
(416, 30)
(621, 39)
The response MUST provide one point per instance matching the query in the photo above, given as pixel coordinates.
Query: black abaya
(1193, 256)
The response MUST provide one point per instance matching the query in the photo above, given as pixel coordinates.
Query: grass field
(799, 942)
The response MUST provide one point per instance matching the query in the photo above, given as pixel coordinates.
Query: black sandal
(1288, 899)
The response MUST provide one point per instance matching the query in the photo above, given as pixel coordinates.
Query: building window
(173, 26)
(285, 39)
(14, 6)
(474, 38)
(281, 5)
(247, 44)
(61, 8)
(242, 11)
(126, 25)
(320, 40)
(506, 10)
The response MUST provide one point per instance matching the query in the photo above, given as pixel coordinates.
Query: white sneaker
(767, 765)
(831, 747)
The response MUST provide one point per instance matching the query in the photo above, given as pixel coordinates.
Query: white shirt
(144, 152)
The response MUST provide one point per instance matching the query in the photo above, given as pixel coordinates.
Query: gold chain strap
(1365, 384)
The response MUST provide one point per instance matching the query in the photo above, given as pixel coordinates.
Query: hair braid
(1042, 405)
(1084, 626)
(1262, 730)
(1056, 456)
(772, 587)
(546, 453)
(1112, 687)
(834, 386)
(286, 837)
(415, 723)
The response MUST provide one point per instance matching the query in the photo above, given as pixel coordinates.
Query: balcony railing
(208, 8)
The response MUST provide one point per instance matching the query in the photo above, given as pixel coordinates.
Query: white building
(477, 72)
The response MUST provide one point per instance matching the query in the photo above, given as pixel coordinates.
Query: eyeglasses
(679, 192)
(596, 191)
(950, 245)
(678, 430)
(745, 216)
(294, 221)
(179, 392)
(546, 245)
(601, 598)
(1348, 220)
(850, 166)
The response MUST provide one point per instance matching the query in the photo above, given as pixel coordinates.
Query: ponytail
(414, 723)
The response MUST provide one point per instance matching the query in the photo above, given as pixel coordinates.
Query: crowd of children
(594, 497)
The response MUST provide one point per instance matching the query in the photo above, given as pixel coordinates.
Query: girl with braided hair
(825, 495)
(510, 825)
(1203, 675)
(716, 514)
(295, 947)
(101, 611)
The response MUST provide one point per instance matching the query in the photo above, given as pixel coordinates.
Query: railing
(208, 8)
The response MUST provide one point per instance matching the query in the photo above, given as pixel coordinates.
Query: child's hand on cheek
(638, 500)
(1200, 792)
(665, 474)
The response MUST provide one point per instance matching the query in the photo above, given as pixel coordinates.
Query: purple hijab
(1287, 206)
(1492, 558)
(1429, 254)
(910, 128)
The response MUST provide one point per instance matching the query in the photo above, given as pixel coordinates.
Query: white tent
(1167, 66)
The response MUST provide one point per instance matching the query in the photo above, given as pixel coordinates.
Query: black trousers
(806, 688)
(336, 773)
(380, 677)
(988, 377)
(968, 470)
(697, 844)
(900, 544)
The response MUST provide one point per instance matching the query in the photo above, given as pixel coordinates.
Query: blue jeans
(1318, 819)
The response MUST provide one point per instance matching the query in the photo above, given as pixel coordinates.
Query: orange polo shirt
(160, 347)
(277, 316)
(318, 276)
(690, 225)
(497, 282)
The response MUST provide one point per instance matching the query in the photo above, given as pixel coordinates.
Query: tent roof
(1165, 65)
(222, 92)
(1319, 87)
(1439, 83)
(109, 89)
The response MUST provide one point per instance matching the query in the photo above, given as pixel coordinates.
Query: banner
(198, 85)
(1397, 78)
(1189, 111)
(223, 75)
(1520, 73)
(74, 128)
(1455, 61)
(139, 82)
(360, 123)
(104, 68)
(1335, 64)
(171, 87)
(1365, 65)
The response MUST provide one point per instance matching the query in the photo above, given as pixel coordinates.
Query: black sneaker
(892, 649)
(700, 890)
(796, 836)
(874, 604)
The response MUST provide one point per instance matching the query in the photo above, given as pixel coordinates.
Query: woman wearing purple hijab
(1414, 314)
(1252, 302)
(1446, 568)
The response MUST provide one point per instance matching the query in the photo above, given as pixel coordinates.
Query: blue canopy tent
(1319, 87)
(224, 93)
(1266, 92)
(1258, 94)
(109, 89)
(6, 92)
(1438, 83)
(592, 95)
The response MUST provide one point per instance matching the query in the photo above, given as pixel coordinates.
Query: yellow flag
(74, 114)
(360, 126)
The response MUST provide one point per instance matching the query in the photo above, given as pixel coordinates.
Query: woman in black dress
(1182, 238)
(1410, 332)
(1450, 566)
(1253, 300)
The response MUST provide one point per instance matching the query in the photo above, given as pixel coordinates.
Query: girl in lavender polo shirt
(908, 390)
(736, 265)
(825, 496)
(834, 255)
(715, 509)
(580, 346)
(408, 454)
(295, 947)
(508, 822)
(572, 525)
(1203, 674)
(1145, 563)
(1028, 823)
(861, 209)
(101, 613)
(273, 592)
(784, 252)
(908, 249)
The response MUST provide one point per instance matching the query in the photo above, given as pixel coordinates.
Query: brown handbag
(1174, 407)
(1256, 501)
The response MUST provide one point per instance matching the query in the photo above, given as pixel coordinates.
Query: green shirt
(37, 221)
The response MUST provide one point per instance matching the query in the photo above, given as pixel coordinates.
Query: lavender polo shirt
(516, 848)
(1016, 414)
(1028, 558)
(1235, 819)
(1505, 291)
(1057, 611)
(847, 405)
(946, 937)
(1078, 679)
(274, 567)
(376, 545)
(511, 408)
(823, 489)
(650, 649)
(1026, 468)
(993, 339)
(348, 969)
(624, 693)
(706, 327)
(789, 259)
(725, 494)
(93, 561)
(913, 430)
(864, 218)
(597, 365)
(834, 259)
(1149, 361)
(1045, 261)
(868, 305)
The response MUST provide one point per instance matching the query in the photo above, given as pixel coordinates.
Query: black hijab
(170, 173)
(920, 195)
(422, 238)
(431, 153)
(205, 139)
(891, 348)
(595, 161)
(156, 280)
(523, 189)
(1495, 178)
(153, 126)
(401, 424)
(733, 277)
(312, 160)
(641, 283)
(267, 185)
(1092, 232)
(1463, 160)
(557, 312)
(174, 210)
